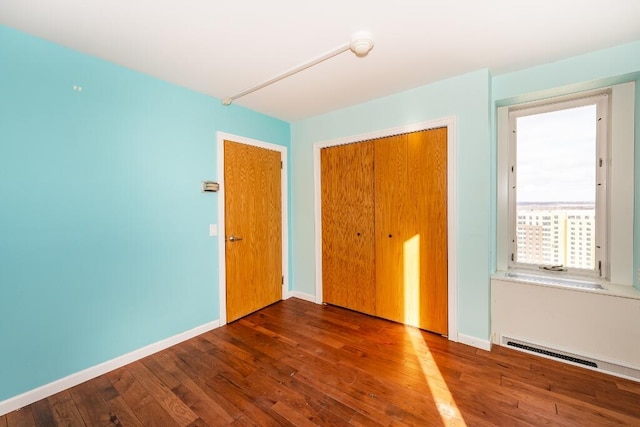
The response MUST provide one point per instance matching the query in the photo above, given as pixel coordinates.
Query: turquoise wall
(104, 244)
(590, 71)
(467, 97)
(573, 74)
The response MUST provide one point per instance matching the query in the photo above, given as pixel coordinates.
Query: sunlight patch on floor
(445, 404)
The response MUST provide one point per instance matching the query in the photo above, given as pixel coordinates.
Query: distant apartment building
(580, 239)
(541, 236)
(556, 236)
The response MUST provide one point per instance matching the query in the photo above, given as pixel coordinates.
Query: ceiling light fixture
(361, 44)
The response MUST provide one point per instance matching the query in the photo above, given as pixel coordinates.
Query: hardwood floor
(298, 363)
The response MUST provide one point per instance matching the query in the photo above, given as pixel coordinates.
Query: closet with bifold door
(384, 228)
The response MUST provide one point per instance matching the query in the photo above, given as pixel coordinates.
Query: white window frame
(620, 188)
(601, 101)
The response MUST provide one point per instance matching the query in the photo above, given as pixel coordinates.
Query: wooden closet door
(348, 254)
(427, 172)
(392, 224)
(411, 229)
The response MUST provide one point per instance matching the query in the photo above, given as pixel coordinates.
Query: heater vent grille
(574, 359)
(553, 354)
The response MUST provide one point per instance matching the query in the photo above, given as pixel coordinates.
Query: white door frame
(222, 270)
(452, 205)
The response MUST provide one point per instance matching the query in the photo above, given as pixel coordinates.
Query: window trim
(601, 101)
(621, 178)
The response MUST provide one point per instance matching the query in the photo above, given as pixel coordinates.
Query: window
(558, 155)
(604, 233)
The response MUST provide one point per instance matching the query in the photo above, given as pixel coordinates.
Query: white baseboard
(303, 296)
(72, 380)
(474, 342)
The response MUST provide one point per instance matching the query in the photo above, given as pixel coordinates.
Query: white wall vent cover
(571, 358)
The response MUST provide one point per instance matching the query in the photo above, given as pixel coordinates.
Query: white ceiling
(223, 47)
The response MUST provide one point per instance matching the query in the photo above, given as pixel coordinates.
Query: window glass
(539, 156)
(555, 187)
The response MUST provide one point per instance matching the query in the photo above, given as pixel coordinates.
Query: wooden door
(392, 219)
(427, 172)
(348, 252)
(411, 229)
(253, 213)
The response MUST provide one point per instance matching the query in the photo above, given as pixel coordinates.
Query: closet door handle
(234, 238)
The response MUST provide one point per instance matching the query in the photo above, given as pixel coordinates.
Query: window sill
(576, 285)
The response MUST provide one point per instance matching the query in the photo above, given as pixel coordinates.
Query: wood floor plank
(91, 405)
(65, 412)
(361, 420)
(278, 375)
(544, 408)
(162, 374)
(198, 423)
(207, 409)
(299, 363)
(105, 388)
(386, 391)
(373, 411)
(628, 385)
(203, 383)
(182, 415)
(121, 413)
(42, 413)
(192, 395)
(619, 400)
(135, 395)
(306, 406)
(291, 415)
(324, 406)
(244, 421)
(227, 383)
(21, 418)
(576, 410)
(262, 342)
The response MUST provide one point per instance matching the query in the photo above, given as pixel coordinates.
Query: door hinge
(281, 164)
(282, 280)
(600, 161)
(512, 257)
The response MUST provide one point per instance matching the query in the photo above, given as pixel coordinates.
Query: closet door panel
(392, 223)
(348, 254)
(427, 176)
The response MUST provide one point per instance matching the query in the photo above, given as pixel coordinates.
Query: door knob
(234, 238)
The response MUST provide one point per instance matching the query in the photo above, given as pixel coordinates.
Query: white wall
(595, 325)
